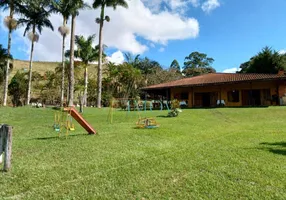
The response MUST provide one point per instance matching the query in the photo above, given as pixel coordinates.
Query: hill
(41, 66)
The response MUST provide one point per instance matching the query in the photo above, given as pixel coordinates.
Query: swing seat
(71, 127)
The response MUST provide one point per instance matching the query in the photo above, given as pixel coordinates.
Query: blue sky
(231, 32)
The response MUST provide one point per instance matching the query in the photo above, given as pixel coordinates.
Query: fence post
(6, 145)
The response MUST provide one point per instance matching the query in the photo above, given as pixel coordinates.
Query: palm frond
(35, 15)
(98, 3)
(116, 3)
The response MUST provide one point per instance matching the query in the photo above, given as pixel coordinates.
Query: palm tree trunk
(99, 72)
(71, 74)
(63, 67)
(8, 60)
(30, 69)
(85, 86)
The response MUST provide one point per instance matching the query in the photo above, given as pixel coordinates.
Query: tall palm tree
(102, 4)
(35, 16)
(86, 53)
(63, 7)
(4, 56)
(11, 24)
(76, 6)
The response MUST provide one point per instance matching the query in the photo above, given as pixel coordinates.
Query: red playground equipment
(74, 113)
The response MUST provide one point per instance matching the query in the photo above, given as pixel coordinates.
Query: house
(214, 89)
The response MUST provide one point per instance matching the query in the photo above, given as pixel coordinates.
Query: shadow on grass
(211, 108)
(275, 147)
(163, 116)
(62, 136)
(282, 144)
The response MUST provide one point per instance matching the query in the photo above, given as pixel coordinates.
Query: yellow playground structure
(147, 123)
(63, 120)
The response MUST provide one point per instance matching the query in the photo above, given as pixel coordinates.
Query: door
(206, 99)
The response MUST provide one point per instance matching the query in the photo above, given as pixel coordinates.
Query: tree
(102, 4)
(147, 67)
(11, 24)
(121, 81)
(163, 76)
(35, 16)
(63, 7)
(266, 61)
(76, 6)
(133, 60)
(4, 56)
(18, 88)
(86, 53)
(198, 63)
(175, 66)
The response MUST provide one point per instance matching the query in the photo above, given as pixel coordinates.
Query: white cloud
(231, 70)
(178, 6)
(162, 49)
(116, 58)
(122, 32)
(210, 5)
(152, 45)
(282, 51)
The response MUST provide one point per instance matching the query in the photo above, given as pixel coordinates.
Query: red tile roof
(216, 78)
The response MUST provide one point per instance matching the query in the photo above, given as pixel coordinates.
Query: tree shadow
(275, 147)
(62, 136)
(163, 116)
(282, 144)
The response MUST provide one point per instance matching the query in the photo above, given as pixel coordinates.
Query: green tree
(198, 63)
(175, 66)
(76, 5)
(63, 7)
(133, 60)
(86, 53)
(102, 4)
(121, 81)
(4, 55)
(35, 16)
(163, 76)
(11, 24)
(266, 61)
(147, 67)
(18, 88)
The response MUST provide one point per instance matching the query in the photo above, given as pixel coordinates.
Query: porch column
(190, 98)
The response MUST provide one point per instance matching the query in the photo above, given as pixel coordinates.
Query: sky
(229, 31)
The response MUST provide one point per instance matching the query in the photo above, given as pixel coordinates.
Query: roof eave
(218, 83)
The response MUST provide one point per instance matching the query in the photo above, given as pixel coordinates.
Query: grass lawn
(228, 153)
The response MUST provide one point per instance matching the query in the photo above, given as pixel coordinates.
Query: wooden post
(6, 145)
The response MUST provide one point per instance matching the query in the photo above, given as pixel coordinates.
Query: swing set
(62, 121)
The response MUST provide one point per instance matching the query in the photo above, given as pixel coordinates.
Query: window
(233, 96)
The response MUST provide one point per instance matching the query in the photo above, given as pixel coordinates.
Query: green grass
(228, 153)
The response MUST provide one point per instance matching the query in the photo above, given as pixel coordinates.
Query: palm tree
(4, 56)
(63, 7)
(76, 6)
(132, 60)
(86, 53)
(11, 24)
(34, 17)
(102, 4)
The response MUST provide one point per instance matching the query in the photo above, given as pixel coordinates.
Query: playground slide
(81, 120)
